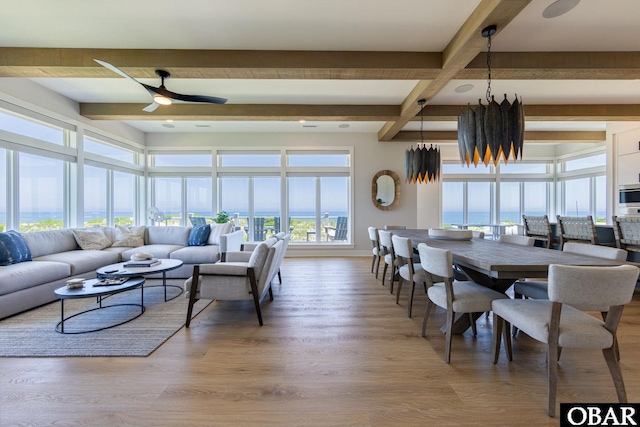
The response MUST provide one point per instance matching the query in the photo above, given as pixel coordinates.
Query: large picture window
(41, 192)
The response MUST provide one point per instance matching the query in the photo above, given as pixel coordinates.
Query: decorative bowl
(141, 256)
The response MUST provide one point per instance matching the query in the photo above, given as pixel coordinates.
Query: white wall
(370, 156)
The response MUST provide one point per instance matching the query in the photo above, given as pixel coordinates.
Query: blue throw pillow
(13, 248)
(199, 235)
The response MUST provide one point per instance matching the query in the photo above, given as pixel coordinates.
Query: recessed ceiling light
(559, 7)
(169, 120)
(344, 125)
(168, 125)
(464, 88)
(302, 121)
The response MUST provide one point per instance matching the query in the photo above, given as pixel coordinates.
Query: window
(177, 160)
(95, 196)
(249, 159)
(112, 151)
(199, 200)
(3, 189)
(582, 185)
(124, 198)
(32, 128)
(167, 196)
(536, 198)
(41, 193)
(510, 203)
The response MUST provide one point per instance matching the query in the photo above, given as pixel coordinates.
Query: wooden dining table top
(502, 260)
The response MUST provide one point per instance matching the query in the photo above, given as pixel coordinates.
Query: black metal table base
(60, 326)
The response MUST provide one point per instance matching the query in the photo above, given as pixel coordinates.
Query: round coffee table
(92, 290)
(119, 270)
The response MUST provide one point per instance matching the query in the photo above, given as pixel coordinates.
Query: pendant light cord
(489, 68)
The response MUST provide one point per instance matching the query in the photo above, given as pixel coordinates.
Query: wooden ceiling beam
(238, 112)
(461, 50)
(529, 136)
(356, 113)
(220, 64)
(555, 66)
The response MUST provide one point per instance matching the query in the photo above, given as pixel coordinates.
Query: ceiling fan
(161, 95)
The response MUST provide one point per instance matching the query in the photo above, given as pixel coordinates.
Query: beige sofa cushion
(91, 238)
(129, 236)
(23, 275)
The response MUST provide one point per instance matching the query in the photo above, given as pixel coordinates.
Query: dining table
(498, 265)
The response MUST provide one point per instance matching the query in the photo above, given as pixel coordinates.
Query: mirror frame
(374, 189)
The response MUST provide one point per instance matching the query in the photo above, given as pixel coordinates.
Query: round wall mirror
(385, 190)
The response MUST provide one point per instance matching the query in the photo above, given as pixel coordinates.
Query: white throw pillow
(129, 236)
(92, 238)
(218, 230)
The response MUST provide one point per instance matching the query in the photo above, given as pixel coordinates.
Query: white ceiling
(328, 25)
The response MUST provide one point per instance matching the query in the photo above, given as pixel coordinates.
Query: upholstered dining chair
(408, 271)
(577, 228)
(452, 295)
(559, 323)
(377, 250)
(538, 289)
(516, 239)
(389, 257)
(231, 280)
(539, 228)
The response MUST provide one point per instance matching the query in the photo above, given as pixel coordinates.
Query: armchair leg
(384, 272)
(254, 292)
(447, 346)
(192, 294)
(410, 305)
(400, 282)
(497, 336)
(614, 368)
(427, 311)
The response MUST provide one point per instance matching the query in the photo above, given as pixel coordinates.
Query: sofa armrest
(225, 268)
(234, 256)
(231, 242)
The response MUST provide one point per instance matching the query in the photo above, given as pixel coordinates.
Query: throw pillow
(199, 235)
(129, 236)
(218, 230)
(13, 248)
(92, 238)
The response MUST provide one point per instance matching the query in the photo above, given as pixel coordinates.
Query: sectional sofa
(53, 257)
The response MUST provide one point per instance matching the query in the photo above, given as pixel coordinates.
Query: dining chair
(577, 228)
(395, 227)
(516, 239)
(452, 295)
(539, 228)
(377, 250)
(197, 220)
(232, 280)
(477, 234)
(627, 232)
(389, 257)
(559, 322)
(408, 269)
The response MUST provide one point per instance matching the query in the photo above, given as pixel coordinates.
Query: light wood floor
(335, 350)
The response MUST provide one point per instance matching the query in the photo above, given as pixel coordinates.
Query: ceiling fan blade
(151, 107)
(189, 98)
(115, 69)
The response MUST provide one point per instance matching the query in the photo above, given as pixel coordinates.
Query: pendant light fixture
(422, 164)
(496, 131)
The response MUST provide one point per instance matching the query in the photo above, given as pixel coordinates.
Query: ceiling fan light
(162, 100)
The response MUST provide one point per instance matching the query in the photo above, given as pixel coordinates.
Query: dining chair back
(377, 250)
(539, 228)
(577, 228)
(389, 257)
(452, 295)
(516, 239)
(395, 227)
(558, 322)
(627, 232)
(409, 270)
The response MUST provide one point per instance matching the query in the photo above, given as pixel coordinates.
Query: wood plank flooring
(335, 350)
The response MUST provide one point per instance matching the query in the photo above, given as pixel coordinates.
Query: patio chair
(627, 232)
(197, 220)
(340, 231)
(559, 322)
(259, 231)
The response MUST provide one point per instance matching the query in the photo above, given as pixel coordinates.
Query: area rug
(32, 334)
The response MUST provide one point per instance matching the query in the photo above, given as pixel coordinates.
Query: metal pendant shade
(422, 164)
(488, 134)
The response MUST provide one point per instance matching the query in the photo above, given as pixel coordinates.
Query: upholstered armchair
(409, 271)
(234, 280)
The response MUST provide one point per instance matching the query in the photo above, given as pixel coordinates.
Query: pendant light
(422, 164)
